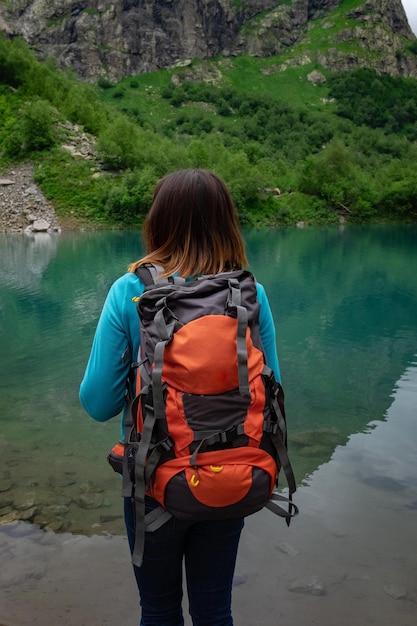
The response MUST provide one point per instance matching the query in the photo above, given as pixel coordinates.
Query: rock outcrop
(127, 37)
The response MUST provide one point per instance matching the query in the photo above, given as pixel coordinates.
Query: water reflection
(344, 303)
(380, 462)
(24, 259)
(353, 541)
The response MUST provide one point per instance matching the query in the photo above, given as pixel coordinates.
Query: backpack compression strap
(271, 505)
(234, 303)
(147, 274)
(156, 518)
(278, 433)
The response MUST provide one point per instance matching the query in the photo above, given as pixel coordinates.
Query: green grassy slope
(261, 124)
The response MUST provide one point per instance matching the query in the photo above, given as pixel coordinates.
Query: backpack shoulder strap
(148, 273)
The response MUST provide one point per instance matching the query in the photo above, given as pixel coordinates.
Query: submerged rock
(398, 592)
(286, 548)
(90, 501)
(312, 587)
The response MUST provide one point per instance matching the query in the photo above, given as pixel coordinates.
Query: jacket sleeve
(267, 332)
(103, 388)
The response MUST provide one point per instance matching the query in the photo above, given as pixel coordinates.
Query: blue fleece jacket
(116, 345)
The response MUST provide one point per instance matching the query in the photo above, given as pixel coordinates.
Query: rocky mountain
(119, 38)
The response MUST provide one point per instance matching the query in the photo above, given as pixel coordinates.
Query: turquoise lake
(344, 300)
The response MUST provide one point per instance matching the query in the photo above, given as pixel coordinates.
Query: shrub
(131, 199)
(401, 198)
(118, 93)
(15, 61)
(334, 177)
(38, 126)
(117, 145)
(104, 83)
(413, 47)
(34, 131)
(82, 106)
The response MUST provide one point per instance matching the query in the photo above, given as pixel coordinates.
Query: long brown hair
(192, 226)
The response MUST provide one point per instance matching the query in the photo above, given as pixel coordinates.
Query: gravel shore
(23, 207)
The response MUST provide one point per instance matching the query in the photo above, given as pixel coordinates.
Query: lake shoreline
(330, 566)
(22, 205)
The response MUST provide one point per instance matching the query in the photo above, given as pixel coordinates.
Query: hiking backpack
(206, 434)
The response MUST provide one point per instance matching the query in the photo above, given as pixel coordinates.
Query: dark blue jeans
(209, 551)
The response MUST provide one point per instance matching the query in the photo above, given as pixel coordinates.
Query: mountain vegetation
(301, 145)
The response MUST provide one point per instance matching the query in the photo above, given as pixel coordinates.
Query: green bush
(104, 83)
(34, 130)
(38, 126)
(334, 177)
(413, 47)
(118, 144)
(401, 198)
(13, 144)
(130, 199)
(198, 155)
(118, 93)
(81, 106)
(15, 61)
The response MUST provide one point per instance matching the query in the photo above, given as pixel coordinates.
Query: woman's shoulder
(129, 280)
(127, 286)
(260, 290)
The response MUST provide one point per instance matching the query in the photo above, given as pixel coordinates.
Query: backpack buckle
(166, 444)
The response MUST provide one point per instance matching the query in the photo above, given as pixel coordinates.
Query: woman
(191, 229)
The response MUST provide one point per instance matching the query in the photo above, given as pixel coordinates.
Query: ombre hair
(192, 226)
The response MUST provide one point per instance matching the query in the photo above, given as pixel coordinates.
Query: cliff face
(126, 37)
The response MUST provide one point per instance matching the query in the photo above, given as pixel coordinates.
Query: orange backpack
(208, 433)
